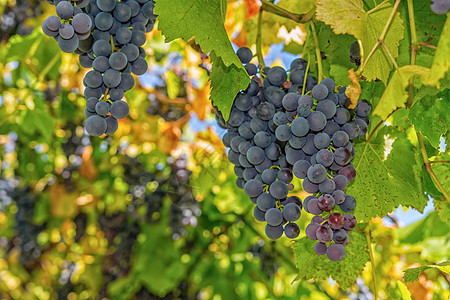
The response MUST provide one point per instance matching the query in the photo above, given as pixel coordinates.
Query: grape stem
(428, 166)
(279, 11)
(318, 54)
(372, 261)
(306, 76)
(259, 41)
(382, 35)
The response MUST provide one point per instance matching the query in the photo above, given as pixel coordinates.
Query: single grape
(349, 222)
(311, 231)
(327, 107)
(300, 168)
(329, 83)
(321, 140)
(291, 230)
(274, 232)
(283, 133)
(349, 204)
(317, 173)
(112, 79)
(291, 212)
(339, 236)
(317, 121)
(336, 221)
(274, 217)
(82, 23)
(111, 125)
(326, 202)
(64, 10)
(310, 187)
(339, 196)
(277, 76)
(95, 125)
(253, 188)
(324, 234)
(348, 171)
(341, 182)
(320, 248)
(300, 127)
(285, 175)
(336, 252)
(119, 109)
(265, 201)
(290, 101)
(327, 187)
(259, 215)
(278, 190)
(245, 55)
(320, 91)
(102, 108)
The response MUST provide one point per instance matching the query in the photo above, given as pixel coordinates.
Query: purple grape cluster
(108, 35)
(291, 125)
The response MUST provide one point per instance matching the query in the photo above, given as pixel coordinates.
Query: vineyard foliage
(153, 211)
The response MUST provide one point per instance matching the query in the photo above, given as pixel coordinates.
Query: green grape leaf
(413, 274)
(385, 175)
(442, 171)
(395, 96)
(345, 272)
(226, 82)
(202, 19)
(428, 117)
(441, 61)
(350, 17)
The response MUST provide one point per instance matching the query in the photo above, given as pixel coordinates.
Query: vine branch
(428, 166)
(414, 48)
(382, 35)
(279, 11)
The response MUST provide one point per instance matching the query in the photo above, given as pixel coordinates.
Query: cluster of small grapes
(108, 35)
(269, 263)
(7, 187)
(302, 128)
(185, 208)
(440, 7)
(168, 111)
(13, 19)
(27, 231)
(363, 292)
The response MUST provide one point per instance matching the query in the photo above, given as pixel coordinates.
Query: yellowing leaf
(353, 90)
(350, 17)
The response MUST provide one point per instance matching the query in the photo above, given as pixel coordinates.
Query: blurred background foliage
(153, 211)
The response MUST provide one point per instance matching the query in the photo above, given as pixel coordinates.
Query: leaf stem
(382, 35)
(377, 7)
(379, 124)
(318, 54)
(389, 53)
(279, 11)
(428, 166)
(440, 162)
(427, 45)
(372, 261)
(259, 41)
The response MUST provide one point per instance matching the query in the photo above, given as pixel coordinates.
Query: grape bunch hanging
(291, 125)
(108, 35)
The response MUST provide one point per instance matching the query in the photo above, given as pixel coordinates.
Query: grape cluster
(27, 231)
(269, 263)
(14, 16)
(296, 127)
(440, 7)
(108, 35)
